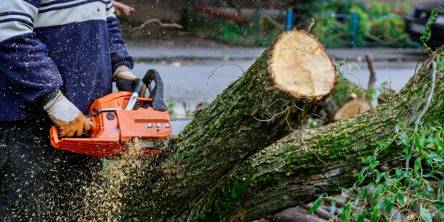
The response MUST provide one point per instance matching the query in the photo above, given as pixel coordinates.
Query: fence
(352, 20)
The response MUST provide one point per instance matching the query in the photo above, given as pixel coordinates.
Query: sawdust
(118, 180)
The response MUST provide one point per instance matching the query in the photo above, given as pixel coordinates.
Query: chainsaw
(120, 119)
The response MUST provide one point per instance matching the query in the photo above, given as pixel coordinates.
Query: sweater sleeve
(119, 52)
(24, 60)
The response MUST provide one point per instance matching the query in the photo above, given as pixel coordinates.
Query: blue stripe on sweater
(16, 13)
(55, 3)
(27, 23)
(64, 1)
(34, 3)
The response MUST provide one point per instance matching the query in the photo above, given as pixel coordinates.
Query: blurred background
(338, 23)
(201, 46)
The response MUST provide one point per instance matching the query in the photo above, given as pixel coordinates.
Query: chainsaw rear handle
(138, 84)
(156, 93)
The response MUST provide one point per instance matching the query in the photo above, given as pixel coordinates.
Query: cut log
(352, 108)
(273, 98)
(305, 164)
(326, 110)
(301, 66)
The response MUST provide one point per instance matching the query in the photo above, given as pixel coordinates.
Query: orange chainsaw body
(113, 127)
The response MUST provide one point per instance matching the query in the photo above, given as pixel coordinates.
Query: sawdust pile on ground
(104, 199)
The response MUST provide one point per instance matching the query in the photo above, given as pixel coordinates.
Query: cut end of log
(352, 108)
(300, 66)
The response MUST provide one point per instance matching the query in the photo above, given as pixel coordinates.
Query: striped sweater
(72, 45)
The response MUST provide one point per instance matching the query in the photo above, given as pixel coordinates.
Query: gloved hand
(66, 116)
(122, 9)
(125, 80)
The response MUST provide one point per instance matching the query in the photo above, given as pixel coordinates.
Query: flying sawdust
(119, 179)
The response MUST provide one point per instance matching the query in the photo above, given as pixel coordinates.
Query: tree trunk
(305, 164)
(273, 98)
(223, 166)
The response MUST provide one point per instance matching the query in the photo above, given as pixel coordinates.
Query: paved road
(192, 83)
(397, 74)
(186, 49)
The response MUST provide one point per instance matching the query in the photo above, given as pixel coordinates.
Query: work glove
(122, 9)
(125, 80)
(66, 116)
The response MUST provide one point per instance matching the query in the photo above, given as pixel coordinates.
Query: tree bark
(224, 168)
(305, 164)
(273, 98)
(294, 170)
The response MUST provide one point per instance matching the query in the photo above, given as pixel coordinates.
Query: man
(56, 57)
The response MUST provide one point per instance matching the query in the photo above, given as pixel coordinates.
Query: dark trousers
(37, 182)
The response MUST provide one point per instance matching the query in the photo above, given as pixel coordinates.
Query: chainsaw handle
(156, 93)
(138, 84)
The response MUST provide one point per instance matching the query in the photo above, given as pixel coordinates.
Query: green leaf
(388, 205)
(440, 144)
(417, 166)
(362, 175)
(316, 204)
(373, 163)
(428, 186)
(364, 193)
(375, 214)
(399, 173)
(425, 214)
(418, 141)
(346, 212)
(378, 176)
(400, 198)
(361, 217)
(404, 140)
(427, 33)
